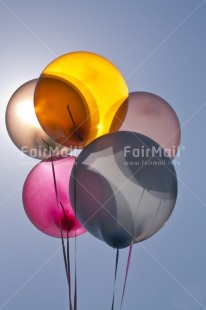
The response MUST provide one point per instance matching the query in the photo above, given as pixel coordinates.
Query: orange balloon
(77, 96)
(63, 112)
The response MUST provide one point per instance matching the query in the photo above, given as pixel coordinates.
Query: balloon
(152, 116)
(77, 96)
(23, 126)
(39, 198)
(123, 188)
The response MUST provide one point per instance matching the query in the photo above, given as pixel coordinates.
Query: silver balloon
(123, 188)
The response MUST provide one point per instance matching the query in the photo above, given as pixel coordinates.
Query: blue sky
(160, 47)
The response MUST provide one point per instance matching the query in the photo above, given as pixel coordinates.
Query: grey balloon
(123, 188)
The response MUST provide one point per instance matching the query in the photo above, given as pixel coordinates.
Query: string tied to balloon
(115, 277)
(126, 273)
(50, 150)
(75, 267)
(76, 131)
(66, 254)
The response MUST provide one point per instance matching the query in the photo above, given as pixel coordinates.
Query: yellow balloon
(77, 97)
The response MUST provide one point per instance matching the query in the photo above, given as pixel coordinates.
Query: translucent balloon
(77, 96)
(39, 198)
(123, 188)
(152, 116)
(24, 128)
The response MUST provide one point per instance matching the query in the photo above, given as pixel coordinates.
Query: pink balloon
(39, 198)
(152, 116)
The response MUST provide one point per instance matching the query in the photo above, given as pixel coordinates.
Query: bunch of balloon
(122, 188)
(73, 102)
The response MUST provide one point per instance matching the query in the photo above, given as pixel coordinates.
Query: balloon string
(54, 178)
(66, 263)
(147, 234)
(115, 276)
(74, 124)
(49, 147)
(69, 272)
(126, 274)
(75, 280)
(138, 207)
(75, 270)
(66, 254)
(64, 251)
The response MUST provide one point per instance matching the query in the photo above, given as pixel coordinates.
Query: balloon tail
(76, 131)
(126, 274)
(115, 276)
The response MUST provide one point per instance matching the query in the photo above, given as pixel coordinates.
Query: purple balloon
(152, 116)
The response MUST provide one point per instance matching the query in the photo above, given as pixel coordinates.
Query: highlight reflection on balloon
(123, 188)
(24, 128)
(77, 96)
(152, 116)
(39, 198)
